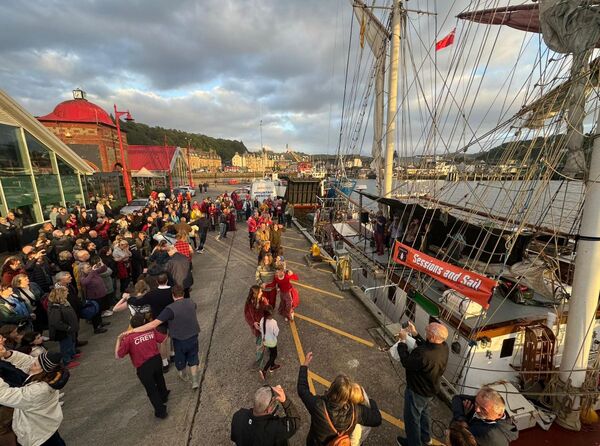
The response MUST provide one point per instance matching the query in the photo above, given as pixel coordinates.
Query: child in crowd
(269, 332)
(32, 343)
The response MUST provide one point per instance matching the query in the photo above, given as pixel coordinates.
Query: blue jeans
(417, 422)
(222, 230)
(67, 349)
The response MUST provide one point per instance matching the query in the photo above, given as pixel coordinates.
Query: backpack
(343, 437)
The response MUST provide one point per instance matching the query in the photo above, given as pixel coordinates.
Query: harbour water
(552, 204)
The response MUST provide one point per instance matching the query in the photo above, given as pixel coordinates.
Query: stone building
(208, 161)
(88, 130)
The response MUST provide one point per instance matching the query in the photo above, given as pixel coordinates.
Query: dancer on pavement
(253, 313)
(283, 279)
(142, 348)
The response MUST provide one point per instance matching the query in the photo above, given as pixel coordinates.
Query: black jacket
(62, 321)
(179, 270)
(266, 430)
(495, 433)
(424, 366)
(320, 432)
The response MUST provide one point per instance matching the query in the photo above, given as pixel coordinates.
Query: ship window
(392, 294)
(508, 346)
(410, 310)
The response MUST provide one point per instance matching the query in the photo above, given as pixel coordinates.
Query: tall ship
(508, 264)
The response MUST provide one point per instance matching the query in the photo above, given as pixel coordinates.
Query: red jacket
(252, 225)
(284, 284)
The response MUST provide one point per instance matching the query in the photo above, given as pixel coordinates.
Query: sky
(217, 67)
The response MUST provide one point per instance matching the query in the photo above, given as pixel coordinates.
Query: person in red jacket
(286, 303)
(254, 310)
(252, 228)
(142, 348)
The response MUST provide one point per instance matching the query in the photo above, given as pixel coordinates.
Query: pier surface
(104, 403)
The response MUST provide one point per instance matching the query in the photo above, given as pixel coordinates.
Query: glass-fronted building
(37, 170)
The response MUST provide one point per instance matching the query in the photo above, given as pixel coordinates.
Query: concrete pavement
(106, 405)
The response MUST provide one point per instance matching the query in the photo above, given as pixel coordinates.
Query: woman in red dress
(282, 280)
(253, 312)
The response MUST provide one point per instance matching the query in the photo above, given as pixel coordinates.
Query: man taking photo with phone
(261, 425)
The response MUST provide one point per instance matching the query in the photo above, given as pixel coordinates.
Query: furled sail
(376, 36)
(573, 26)
(556, 100)
(567, 26)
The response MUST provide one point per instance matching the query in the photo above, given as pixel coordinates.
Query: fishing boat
(509, 265)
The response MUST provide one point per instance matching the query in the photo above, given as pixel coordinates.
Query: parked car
(134, 205)
(184, 190)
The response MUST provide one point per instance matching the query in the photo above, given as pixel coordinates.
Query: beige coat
(37, 412)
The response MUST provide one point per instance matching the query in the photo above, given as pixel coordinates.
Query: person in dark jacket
(424, 368)
(93, 284)
(486, 417)
(343, 414)
(179, 270)
(38, 269)
(63, 324)
(261, 425)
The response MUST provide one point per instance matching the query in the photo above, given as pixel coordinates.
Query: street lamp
(190, 180)
(126, 182)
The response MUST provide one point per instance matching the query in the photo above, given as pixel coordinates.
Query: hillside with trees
(138, 133)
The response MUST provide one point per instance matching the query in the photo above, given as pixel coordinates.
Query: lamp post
(126, 182)
(190, 180)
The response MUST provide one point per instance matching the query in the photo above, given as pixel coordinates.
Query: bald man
(424, 368)
(486, 417)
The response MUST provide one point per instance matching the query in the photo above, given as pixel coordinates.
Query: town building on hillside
(201, 160)
(37, 170)
(88, 130)
(255, 161)
(167, 166)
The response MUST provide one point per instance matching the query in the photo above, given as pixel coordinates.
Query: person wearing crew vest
(142, 348)
(184, 330)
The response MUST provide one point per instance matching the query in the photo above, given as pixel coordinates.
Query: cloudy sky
(210, 66)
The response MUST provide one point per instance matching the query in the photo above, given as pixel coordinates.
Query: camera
(405, 324)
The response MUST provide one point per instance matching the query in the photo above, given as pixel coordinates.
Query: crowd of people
(85, 265)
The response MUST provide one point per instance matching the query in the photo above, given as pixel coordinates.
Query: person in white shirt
(269, 332)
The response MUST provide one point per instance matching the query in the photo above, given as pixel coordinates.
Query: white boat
(488, 265)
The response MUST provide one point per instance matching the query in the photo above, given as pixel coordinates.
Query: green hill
(138, 133)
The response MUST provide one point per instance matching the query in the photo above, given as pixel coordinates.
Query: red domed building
(88, 130)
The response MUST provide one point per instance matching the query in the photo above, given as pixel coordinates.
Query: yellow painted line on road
(335, 330)
(305, 251)
(306, 266)
(301, 357)
(319, 290)
(293, 238)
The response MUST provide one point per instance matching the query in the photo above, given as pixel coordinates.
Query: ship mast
(390, 134)
(584, 297)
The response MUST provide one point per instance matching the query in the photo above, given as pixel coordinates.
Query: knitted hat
(49, 360)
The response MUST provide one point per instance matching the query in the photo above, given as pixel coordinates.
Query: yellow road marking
(306, 266)
(305, 251)
(335, 330)
(301, 357)
(339, 296)
(293, 238)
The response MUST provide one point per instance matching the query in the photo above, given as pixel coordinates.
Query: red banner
(474, 286)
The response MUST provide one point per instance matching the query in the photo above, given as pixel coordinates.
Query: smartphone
(405, 325)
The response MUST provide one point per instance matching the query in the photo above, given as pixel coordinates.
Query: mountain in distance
(143, 134)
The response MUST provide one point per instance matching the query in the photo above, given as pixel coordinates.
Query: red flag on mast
(446, 41)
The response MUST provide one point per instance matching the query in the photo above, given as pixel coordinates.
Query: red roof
(152, 158)
(78, 110)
